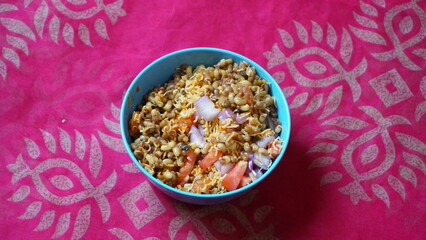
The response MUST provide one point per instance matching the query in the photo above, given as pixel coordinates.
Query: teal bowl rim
(258, 68)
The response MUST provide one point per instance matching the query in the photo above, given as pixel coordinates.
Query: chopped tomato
(210, 158)
(233, 178)
(183, 124)
(187, 167)
(274, 148)
(245, 180)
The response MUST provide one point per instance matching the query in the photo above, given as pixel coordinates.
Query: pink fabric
(353, 73)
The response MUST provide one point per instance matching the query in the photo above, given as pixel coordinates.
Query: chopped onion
(250, 165)
(196, 137)
(250, 156)
(218, 165)
(240, 119)
(201, 130)
(225, 114)
(255, 173)
(262, 161)
(252, 175)
(226, 168)
(206, 108)
(250, 161)
(223, 168)
(263, 142)
(196, 115)
(258, 172)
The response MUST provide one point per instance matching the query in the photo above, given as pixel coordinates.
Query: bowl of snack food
(205, 125)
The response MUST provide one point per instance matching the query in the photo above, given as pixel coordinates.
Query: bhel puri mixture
(208, 130)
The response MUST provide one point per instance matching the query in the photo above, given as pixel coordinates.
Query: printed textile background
(353, 72)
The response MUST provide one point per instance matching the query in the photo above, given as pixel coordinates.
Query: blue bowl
(161, 71)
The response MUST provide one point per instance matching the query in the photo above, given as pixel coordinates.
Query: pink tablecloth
(353, 73)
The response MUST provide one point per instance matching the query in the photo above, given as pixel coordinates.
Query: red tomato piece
(233, 178)
(210, 158)
(187, 167)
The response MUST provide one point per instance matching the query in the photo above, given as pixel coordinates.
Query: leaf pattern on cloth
(365, 146)
(369, 154)
(121, 234)
(222, 225)
(20, 194)
(397, 185)
(81, 222)
(322, 162)
(62, 225)
(381, 193)
(49, 141)
(261, 213)
(45, 20)
(331, 177)
(243, 222)
(356, 87)
(316, 73)
(32, 210)
(46, 220)
(405, 26)
(62, 182)
(74, 179)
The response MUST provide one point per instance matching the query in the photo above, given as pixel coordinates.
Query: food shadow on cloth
(283, 205)
(294, 192)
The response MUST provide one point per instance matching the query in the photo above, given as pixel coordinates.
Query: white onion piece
(225, 114)
(252, 175)
(240, 119)
(262, 161)
(255, 173)
(206, 108)
(196, 137)
(226, 168)
(250, 161)
(264, 141)
(223, 168)
(201, 130)
(250, 156)
(258, 172)
(218, 165)
(250, 165)
(196, 115)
